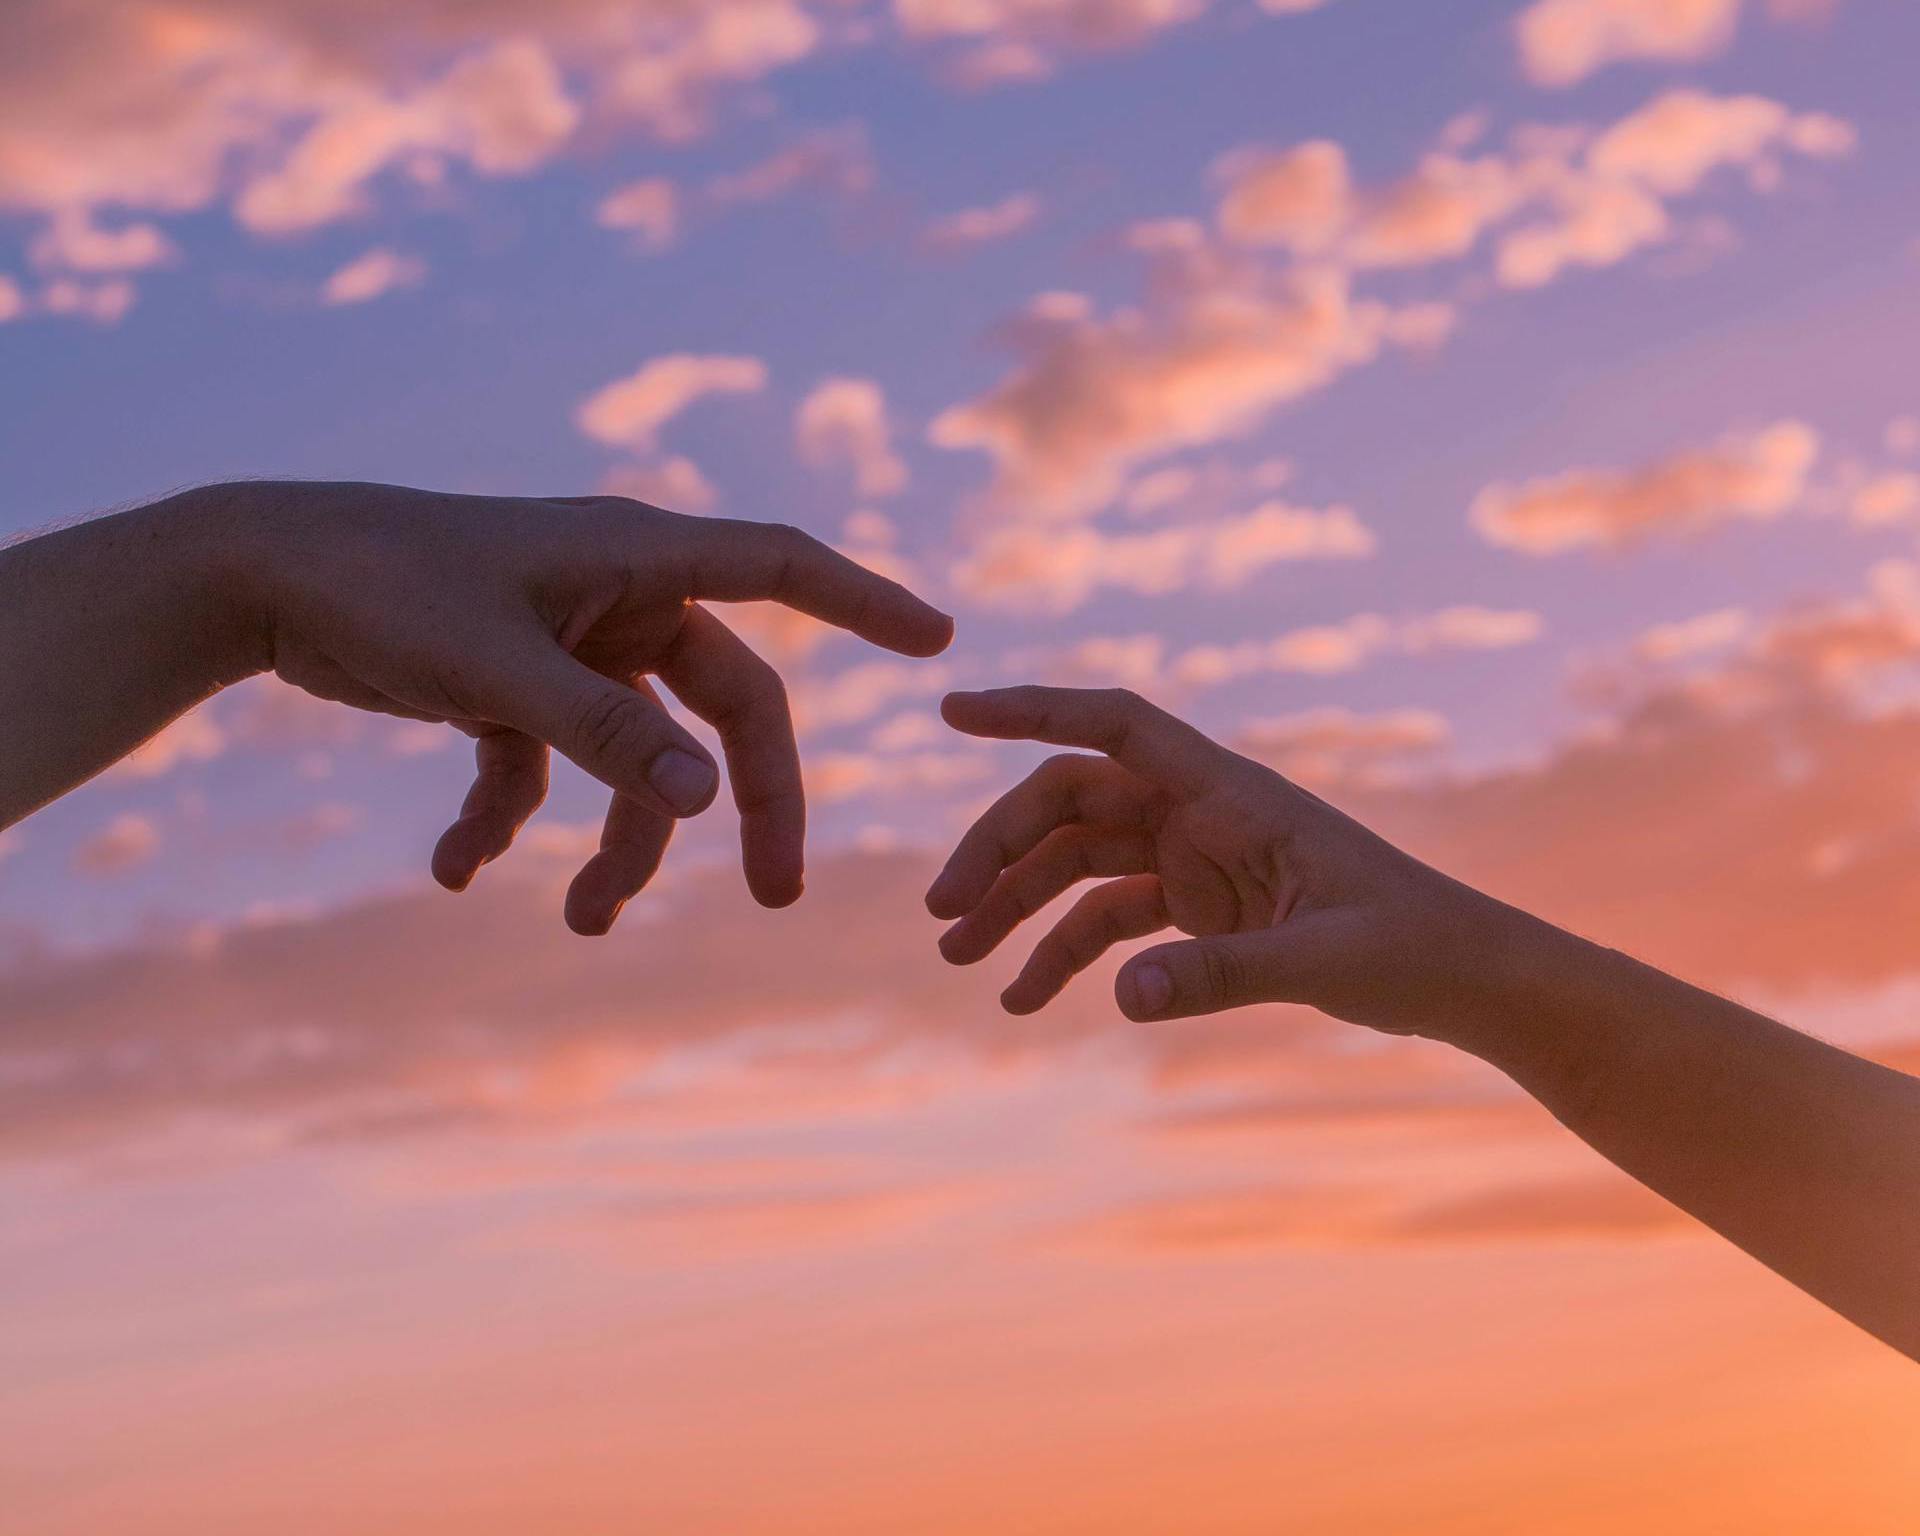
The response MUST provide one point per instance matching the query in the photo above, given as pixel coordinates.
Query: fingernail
(681, 779)
(1152, 988)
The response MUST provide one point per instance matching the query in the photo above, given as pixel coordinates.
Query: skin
(1804, 1155)
(531, 625)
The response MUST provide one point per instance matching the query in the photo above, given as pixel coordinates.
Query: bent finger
(1065, 857)
(1107, 915)
(1114, 721)
(718, 676)
(509, 785)
(632, 844)
(736, 562)
(620, 734)
(1061, 791)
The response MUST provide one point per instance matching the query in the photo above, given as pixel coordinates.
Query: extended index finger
(742, 562)
(1140, 737)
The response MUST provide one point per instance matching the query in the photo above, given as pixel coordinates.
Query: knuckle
(607, 726)
(1223, 971)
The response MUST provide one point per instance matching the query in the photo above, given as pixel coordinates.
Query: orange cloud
(1325, 649)
(845, 421)
(380, 271)
(649, 208)
(630, 412)
(123, 845)
(1219, 346)
(1057, 569)
(1563, 41)
(1758, 475)
(983, 225)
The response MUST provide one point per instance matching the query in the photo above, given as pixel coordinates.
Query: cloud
(118, 848)
(649, 208)
(380, 271)
(1581, 1208)
(1563, 196)
(290, 111)
(13, 303)
(1055, 569)
(1328, 746)
(196, 737)
(844, 421)
(863, 691)
(630, 412)
(1220, 344)
(673, 482)
(104, 303)
(72, 242)
(983, 225)
(834, 160)
(1758, 475)
(1326, 649)
(502, 111)
(1563, 41)
(837, 776)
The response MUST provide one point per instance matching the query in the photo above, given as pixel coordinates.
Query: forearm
(1804, 1155)
(109, 630)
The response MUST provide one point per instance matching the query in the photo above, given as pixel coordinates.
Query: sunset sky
(1502, 417)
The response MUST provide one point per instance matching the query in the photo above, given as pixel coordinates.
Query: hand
(532, 624)
(1289, 900)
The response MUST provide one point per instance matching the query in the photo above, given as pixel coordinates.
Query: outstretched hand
(535, 624)
(1287, 899)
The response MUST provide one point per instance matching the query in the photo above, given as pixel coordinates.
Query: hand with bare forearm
(529, 624)
(1806, 1156)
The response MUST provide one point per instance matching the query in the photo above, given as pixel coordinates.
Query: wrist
(1520, 972)
(224, 564)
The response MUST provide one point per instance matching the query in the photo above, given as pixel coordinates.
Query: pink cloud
(1759, 475)
(118, 848)
(379, 272)
(845, 422)
(630, 412)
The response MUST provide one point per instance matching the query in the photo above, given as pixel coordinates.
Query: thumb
(621, 735)
(1229, 970)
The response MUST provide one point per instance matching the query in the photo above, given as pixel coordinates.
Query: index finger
(1138, 736)
(743, 562)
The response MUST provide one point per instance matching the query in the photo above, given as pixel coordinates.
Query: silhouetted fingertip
(774, 897)
(1144, 990)
(1020, 1000)
(945, 899)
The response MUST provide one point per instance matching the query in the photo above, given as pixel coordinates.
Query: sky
(1501, 417)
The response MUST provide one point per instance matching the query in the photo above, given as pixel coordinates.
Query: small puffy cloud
(688, 53)
(379, 272)
(118, 848)
(863, 691)
(835, 160)
(649, 209)
(1757, 475)
(1327, 746)
(1054, 569)
(1327, 649)
(629, 412)
(1561, 42)
(13, 303)
(674, 482)
(104, 303)
(73, 242)
(838, 776)
(983, 225)
(1702, 635)
(196, 737)
(1299, 198)
(1884, 499)
(1675, 142)
(844, 421)
(503, 111)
